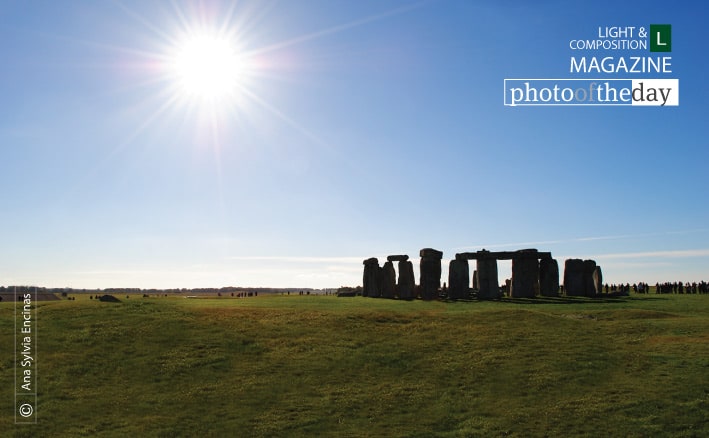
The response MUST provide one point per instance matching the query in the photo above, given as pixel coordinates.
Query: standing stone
(525, 276)
(370, 281)
(573, 278)
(489, 286)
(598, 280)
(458, 279)
(388, 280)
(549, 277)
(432, 253)
(380, 279)
(407, 283)
(430, 273)
(475, 279)
(589, 267)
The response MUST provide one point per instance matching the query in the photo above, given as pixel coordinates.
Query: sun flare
(207, 67)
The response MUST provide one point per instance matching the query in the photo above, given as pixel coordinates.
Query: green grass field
(321, 365)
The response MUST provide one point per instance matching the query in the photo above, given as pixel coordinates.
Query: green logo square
(660, 37)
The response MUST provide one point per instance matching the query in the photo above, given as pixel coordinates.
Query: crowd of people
(682, 288)
(676, 287)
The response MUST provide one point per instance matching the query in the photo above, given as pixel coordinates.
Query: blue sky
(359, 129)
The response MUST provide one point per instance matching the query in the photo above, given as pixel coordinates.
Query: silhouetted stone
(573, 278)
(579, 278)
(525, 275)
(108, 299)
(407, 284)
(430, 252)
(430, 271)
(533, 273)
(598, 280)
(503, 255)
(349, 293)
(380, 282)
(489, 286)
(388, 280)
(549, 277)
(370, 284)
(371, 261)
(589, 267)
(458, 279)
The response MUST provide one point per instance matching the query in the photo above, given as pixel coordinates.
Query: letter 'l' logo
(660, 37)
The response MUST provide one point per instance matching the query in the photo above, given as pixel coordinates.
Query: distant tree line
(131, 290)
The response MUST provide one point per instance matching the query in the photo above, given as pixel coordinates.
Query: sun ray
(292, 123)
(336, 29)
(145, 22)
(95, 170)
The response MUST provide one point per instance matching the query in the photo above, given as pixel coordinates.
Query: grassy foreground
(317, 365)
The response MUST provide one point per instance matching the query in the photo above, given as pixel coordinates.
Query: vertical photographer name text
(25, 355)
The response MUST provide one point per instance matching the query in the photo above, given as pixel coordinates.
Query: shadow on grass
(647, 298)
(565, 300)
(559, 300)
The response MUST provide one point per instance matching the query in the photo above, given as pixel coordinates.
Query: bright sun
(208, 67)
